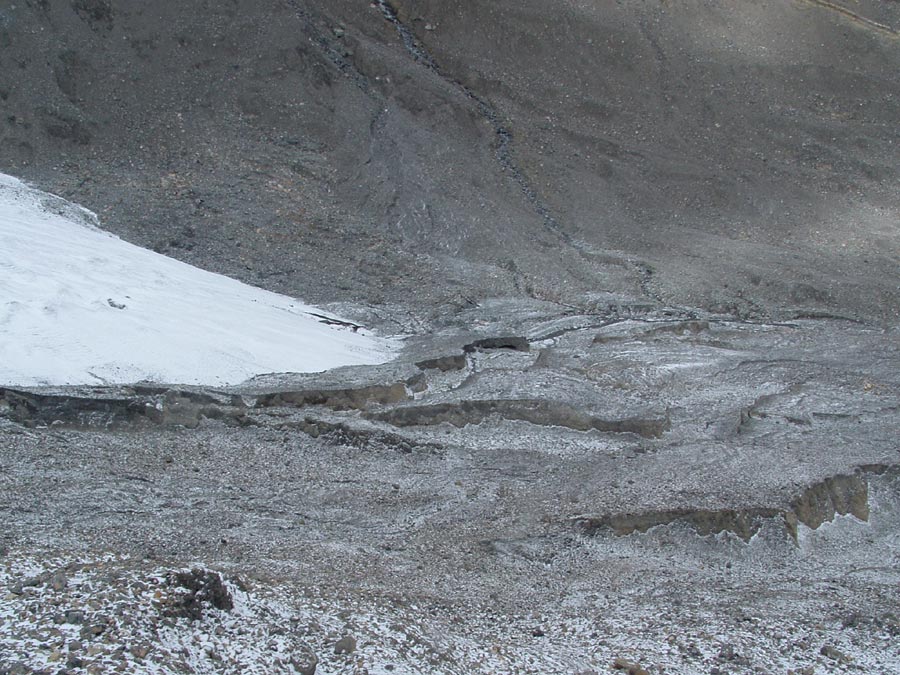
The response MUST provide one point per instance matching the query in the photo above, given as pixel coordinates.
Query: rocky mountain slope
(739, 158)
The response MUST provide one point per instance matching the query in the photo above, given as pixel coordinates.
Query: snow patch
(80, 306)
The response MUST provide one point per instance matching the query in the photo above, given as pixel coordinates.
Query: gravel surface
(757, 530)
(644, 259)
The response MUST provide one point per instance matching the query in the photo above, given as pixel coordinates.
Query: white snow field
(80, 306)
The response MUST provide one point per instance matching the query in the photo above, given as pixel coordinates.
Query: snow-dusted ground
(439, 547)
(106, 613)
(80, 306)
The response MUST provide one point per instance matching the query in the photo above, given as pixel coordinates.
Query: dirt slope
(735, 156)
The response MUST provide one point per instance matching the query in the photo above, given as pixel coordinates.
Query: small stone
(808, 670)
(305, 664)
(629, 667)
(140, 651)
(74, 616)
(346, 645)
(852, 621)
(729, 653)
(93, 630)
(429, 26)
(834, 654)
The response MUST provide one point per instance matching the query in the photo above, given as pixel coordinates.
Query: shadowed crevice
(534, 411)
(819, 503)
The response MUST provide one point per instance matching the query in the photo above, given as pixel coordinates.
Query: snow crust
(80, 306)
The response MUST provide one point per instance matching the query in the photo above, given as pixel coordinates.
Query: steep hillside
(741, 157)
